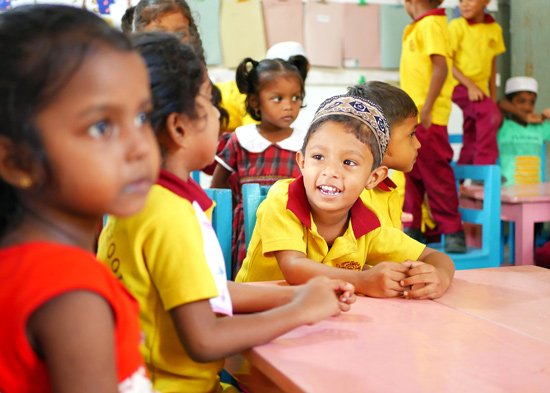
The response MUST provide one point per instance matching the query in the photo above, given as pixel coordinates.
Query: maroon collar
(387, 184)
(435, 11)
(488, 19)
(189, 189)
(363, 220)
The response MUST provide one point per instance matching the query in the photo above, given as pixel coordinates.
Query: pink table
(523, 204)
(454, 344)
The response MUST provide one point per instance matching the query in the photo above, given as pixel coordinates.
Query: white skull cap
(284, 50)
(521, 83)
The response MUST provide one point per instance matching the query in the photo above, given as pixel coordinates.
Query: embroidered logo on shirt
(492, 43)
(411, 46)
(349, 265)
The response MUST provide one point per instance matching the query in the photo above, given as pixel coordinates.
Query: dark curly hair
(41, 48)
(250, 79)
(176, 75)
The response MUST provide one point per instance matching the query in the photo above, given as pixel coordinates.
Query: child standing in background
(168, 255)
(75, 143)
(266, 152)
(522, 132)
(476, 40)
(317, 224)
(402, 116)
(425, 73)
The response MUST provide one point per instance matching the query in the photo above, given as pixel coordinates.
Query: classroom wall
(530, 33)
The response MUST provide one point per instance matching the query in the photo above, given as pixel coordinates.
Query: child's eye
(277, 99)
(296, 98)
(99, 129)
(317, 157)
(141, 119)
(350, 162)
(412, 134)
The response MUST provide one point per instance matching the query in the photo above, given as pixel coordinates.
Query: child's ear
(10, 169)
(176, 128)
(300, 160)
(376, 176)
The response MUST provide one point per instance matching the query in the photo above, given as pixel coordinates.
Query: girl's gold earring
(25, 182)
(257, 113)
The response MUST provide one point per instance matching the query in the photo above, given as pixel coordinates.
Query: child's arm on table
(207, 338)
(439, 75)
(474, 92)
(382, 280)
(247, 298)
(430, 276)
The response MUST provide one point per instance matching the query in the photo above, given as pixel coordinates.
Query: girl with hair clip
(75, 143)
(168, 255)
(266, 152)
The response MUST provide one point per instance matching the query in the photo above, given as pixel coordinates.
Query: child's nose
(140, 142)
(330, 170)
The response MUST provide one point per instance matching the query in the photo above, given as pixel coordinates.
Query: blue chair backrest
(488, 217)
(253, 195)
(222, 221)
(196, 175)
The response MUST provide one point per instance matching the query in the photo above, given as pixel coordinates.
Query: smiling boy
(317, 224)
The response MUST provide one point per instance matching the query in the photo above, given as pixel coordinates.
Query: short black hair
(394, 102)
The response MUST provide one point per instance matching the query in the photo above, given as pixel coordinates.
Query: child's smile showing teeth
(329, 190)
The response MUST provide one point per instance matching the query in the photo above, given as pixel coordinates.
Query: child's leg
(460, 98)
(433, 164)
(486, 127)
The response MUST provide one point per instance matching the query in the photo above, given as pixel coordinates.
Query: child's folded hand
(424, 280)
(316, 299)
(345, 293)
(383, 280)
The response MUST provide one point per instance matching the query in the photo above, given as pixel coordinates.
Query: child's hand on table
(384, 279)
(425, 281)
(322, 297)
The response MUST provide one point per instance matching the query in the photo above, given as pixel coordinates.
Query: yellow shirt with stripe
(159, 256)
(284, 222)
(426, 36)
(475, 45)
(233, 101)
(386, 202)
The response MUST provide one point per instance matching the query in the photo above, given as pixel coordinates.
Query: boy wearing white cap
(522, 132)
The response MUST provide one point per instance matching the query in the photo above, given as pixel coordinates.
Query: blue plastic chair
(253, 195)
(488, 217)
(222, 221)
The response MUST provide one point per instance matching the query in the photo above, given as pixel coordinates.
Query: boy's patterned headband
(360, 109)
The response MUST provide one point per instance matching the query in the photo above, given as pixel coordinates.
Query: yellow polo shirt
(386, 201)
(284, 222)
(159, 256)
(233, 103)
(426, 36)
(475, 45)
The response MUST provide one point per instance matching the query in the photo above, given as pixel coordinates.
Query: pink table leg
(524, 215)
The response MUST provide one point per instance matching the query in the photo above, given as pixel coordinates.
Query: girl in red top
(266, 152)
(75, 143)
